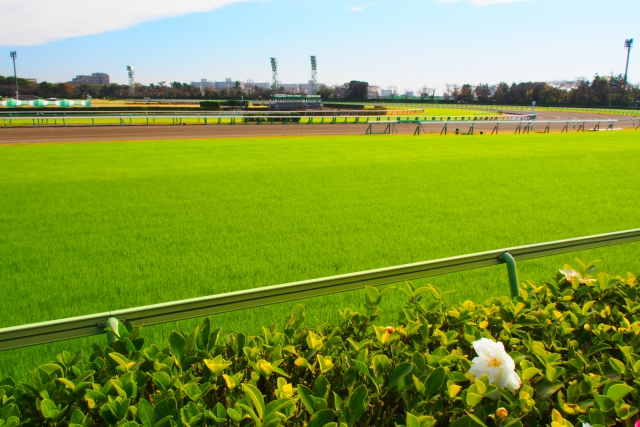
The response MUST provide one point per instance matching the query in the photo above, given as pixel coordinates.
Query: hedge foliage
(217, 105)
(574, 340)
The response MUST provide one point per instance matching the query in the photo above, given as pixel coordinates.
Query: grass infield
(87, 228)
(211, 119)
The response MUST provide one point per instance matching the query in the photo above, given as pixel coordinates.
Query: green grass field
(87, 228)
(71, 120)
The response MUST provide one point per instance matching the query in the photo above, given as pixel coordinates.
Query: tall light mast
(627, 44)
(314, 75)
(132, 81)
(14, 55)
(274, 73)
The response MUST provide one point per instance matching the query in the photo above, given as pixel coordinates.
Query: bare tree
(426, 92)
(452, 90)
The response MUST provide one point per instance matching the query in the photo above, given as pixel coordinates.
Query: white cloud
(356, 8)
(483, 2)
(32, 22)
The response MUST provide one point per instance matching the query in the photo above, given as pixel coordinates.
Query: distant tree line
(354, 90)
(601, 91)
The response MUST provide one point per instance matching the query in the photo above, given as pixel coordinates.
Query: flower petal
(500, 377)
(514, 382)
(484, 347)
(479, 366)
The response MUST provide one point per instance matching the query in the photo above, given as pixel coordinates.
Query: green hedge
(217, 105)
(572, 346)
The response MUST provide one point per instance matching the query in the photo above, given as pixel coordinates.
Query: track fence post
(508, 259)
(111, 327)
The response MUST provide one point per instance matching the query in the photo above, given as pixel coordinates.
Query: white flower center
(494, 363)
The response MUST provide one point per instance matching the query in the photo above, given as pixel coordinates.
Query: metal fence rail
(229, 119)
(95, 324)
(205, 112)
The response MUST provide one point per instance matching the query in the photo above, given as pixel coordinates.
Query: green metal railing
(95, 324)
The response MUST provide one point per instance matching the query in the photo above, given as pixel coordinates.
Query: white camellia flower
(494, 362)
(570, 274)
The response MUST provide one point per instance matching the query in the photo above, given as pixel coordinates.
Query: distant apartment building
(373, 92)
(227, 83)
(34, 81)
(251, 84)
(386, 93)
(230, 83)
(93, 79)
(202, 84)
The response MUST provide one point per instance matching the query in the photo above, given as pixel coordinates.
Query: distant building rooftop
(93, 79)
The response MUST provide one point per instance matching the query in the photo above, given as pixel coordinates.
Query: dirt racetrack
(42, 134)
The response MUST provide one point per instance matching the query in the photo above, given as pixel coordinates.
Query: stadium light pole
(274, 74)
(314, 75)
(14, 55)
(627, 44)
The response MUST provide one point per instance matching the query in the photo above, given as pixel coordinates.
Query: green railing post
(513, 273)
(110, 326)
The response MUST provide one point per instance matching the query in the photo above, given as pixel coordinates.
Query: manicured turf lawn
(87, 228)
(159, 119)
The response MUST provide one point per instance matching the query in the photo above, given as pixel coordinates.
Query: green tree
(482, 92)
(466, 93)
(601, 90)
(502, 92)
(357, 90)
(327, 93)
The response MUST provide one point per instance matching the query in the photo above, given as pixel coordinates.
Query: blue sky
(404, 43)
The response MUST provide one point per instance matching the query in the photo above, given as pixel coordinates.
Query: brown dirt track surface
(42, 134)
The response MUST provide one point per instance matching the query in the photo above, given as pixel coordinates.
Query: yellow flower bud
(264, 367)
(501, 413)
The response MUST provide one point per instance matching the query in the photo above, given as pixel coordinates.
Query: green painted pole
(513, 273)
(111, 325)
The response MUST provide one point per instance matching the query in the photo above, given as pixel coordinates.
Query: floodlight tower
(14, 55)
(274, 73)
(314, 75)
(132, 81)
(627, 44)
